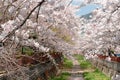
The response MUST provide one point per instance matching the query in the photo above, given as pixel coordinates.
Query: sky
(86, 9)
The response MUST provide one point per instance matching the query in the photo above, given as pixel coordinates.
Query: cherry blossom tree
(103, 27)
(42, 24)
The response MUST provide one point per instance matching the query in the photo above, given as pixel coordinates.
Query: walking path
(76, 72)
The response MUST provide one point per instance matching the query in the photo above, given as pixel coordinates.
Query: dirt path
(76, 72)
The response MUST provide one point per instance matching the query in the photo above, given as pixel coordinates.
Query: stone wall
(40, 71)
(109, 68)
(41, 68)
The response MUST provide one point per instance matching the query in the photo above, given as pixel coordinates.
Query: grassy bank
(84, 64)
(67, 64)
(63, 76)
(96, 75)
(93, 75)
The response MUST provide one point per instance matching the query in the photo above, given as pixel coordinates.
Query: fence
(109, 68)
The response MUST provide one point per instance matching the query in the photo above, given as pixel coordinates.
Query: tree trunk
(54, 62)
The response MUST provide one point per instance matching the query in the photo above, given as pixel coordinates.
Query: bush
(27, 50)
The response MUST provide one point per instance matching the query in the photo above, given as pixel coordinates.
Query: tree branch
(18, 27)
(115, 9)
(38, 14)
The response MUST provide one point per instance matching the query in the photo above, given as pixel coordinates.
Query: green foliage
(63, 76)
(27, 50)
(84, 64)
(67, 63)
(96, 75)
(79, 57)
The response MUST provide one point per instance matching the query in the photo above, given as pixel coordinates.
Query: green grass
(96, 75)
(84, 64)
(63, 76)
(79, 57)
(27, 50)
(67, 63)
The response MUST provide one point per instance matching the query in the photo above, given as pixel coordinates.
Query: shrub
(27, 50)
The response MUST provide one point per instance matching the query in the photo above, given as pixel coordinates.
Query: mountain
(87, 16)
